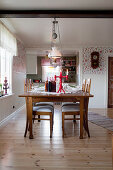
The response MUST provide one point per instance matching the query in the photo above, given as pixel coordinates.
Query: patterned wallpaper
(87, 69)
(19, 61)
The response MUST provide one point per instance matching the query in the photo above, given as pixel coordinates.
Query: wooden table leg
(27, 127)
(81, 116)
(27, 122)
(29, 113)
(85, 116)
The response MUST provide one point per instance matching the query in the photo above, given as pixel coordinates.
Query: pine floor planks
(43, 153)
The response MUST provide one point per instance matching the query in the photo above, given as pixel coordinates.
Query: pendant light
(55, 53)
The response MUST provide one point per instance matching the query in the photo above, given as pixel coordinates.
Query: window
(8, 48)
(49, 71)
(6, 67)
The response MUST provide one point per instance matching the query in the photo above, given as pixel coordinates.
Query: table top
(78, 93)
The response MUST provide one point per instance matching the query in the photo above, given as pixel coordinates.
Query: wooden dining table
(78, 96)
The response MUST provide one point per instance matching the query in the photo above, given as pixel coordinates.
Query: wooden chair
(41, 111)
(88, 86)
(73, 103)
(44, 111)
(74, 109)
(41, 108)
(84, 85)
(28, 84)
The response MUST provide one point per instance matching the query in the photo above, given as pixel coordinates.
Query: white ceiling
(74, 32)
(56, 4)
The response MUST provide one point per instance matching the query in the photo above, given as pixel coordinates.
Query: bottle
(49, 85)
(46, 85)
(53, 85)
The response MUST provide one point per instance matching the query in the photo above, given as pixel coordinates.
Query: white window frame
(8, 49)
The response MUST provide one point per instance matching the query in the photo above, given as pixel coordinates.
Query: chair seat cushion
(43, 109)
(70, 104)
(70, 108)
(44, 103)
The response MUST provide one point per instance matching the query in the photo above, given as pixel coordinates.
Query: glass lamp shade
(54, 53)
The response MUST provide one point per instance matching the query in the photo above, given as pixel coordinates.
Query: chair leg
(26, 128)
(39, 118)
(74, 118)
(33, 118)
(53, 117)
(63, 123)
(51, 124)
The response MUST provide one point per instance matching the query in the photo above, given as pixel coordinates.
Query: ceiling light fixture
(55, 53)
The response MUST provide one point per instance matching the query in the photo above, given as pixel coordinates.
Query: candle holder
(60, 84)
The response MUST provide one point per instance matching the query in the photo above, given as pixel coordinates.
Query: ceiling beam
(56, 13)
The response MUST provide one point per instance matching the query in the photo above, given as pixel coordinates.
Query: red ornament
(60, 84)
(5, 85)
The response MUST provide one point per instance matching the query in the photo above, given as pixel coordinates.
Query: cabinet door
(31, 62)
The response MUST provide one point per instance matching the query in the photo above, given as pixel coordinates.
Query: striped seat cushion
(70, 104)
(44, 104)
(71, 108)
(43, 109)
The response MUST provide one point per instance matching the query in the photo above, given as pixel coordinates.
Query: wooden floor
(43, 153)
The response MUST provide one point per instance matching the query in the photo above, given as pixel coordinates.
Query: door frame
(108, 80)
(106, 83)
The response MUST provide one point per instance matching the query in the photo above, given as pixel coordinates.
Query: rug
(100, 120)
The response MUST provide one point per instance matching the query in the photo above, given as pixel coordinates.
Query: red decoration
(5, 85)
(60, 84)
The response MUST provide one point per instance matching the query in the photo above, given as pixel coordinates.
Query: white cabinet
(31, 62)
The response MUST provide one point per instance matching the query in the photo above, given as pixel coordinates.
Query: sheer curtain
(8, 48)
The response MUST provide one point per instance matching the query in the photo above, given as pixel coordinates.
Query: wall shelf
(70, 64)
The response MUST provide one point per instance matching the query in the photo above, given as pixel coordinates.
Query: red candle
(67, 72)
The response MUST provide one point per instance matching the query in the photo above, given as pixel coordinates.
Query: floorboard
(43, 153)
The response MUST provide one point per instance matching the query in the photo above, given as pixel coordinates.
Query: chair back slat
(88, 85)
(84, 85)
(27, 85)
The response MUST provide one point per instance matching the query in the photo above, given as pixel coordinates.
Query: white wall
(99, 77)
(98, 89)
(6, 104)
(18, 88)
